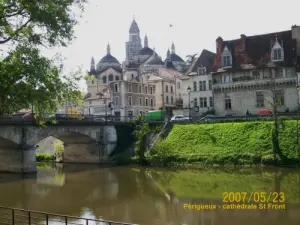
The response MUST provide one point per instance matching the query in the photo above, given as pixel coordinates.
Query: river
(150, 195)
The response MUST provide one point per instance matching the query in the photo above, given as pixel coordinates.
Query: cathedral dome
(108, 61)
(175, 58)
(146, 51)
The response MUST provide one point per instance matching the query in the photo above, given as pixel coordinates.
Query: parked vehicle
(208, 118)
(179, 118)
(155, 115)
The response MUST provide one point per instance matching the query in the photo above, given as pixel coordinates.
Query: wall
(246, 100)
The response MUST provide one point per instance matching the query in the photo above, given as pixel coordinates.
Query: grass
(44, 157)
(225, 143)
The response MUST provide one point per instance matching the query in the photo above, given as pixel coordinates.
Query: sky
(196, 25)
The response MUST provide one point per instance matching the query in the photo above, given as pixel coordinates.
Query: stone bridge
(83, 144)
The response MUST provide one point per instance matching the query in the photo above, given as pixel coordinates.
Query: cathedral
(140, 60)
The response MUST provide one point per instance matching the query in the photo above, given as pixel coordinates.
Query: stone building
(199, 79)
(252, 72)
(125, 89)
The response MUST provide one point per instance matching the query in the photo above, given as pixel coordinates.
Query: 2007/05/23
(257, 197)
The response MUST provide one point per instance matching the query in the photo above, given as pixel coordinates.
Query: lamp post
(189, 92)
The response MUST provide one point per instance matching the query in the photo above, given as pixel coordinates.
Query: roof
(256, 50)
(154, 60)
(109, 59)
(206, 59)
(176, 58)
(146, 51)
(134, 27)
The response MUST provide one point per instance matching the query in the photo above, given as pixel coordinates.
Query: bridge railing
(14, 216)
(69, 119)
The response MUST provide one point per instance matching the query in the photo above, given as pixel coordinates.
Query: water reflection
(149, 196)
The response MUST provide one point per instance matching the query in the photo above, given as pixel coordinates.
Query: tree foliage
(27, 78)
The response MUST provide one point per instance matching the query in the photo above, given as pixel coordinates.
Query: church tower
(134, 45)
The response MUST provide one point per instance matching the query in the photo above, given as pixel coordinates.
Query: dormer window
(277, 52)
(226, 58)
(201, 70)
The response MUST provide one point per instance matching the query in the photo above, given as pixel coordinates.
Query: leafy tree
(26, 77)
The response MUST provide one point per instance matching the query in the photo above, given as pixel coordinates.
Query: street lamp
(189, 92)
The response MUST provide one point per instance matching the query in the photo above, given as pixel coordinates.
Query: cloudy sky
(196, 25)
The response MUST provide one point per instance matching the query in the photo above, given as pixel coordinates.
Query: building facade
(199, 80)
(254, 74)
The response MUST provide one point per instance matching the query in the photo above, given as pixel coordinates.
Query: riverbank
(241, 143)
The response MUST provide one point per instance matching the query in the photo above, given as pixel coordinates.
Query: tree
(26, 77)
(275, 102)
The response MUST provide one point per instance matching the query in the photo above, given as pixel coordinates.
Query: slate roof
(176, 58)
(134, 27)
(146, 51)
(109, 59)
(154, 60)
(256, 50)
(206, 59)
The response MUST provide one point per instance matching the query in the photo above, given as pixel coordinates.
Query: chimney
(243, 42)
(296, 36)
(219, 44)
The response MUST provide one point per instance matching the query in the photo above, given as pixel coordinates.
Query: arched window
(110, 78)
(104, 80)
(117, 78)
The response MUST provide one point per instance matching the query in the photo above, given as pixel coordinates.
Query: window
(278, 73)
(140, 89)
(141, 102)
(195, 102)
(226, 79)
(104, 80)
(110, 78)
(279, 97)
(171, 89)
(167, 88)
(172, 100)
(116, 101)
(151, 102)
(116, 87)
(132, 76)
(146, 102)
(210, 85)
(260, 101)
(178, 85)
(201, 71)
(256, 75)
(203, 102)
(117, 78)
(129, 87)
(211, 102)
(195, 86)
(151, 90)
(130, 114)
(277, 54)
(129, 100)
(226, 61)
(202, 85)
(228, 104)
(92, 81)
(146, 90)
(167, 99)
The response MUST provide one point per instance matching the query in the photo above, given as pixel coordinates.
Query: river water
(151, 195)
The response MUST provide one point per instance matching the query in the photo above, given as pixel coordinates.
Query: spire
(168, 54)
(108, 49)
(134, 28)
(92, 64)
(146, 41)
(173, 48)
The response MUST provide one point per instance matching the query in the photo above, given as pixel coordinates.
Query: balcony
(254, 84)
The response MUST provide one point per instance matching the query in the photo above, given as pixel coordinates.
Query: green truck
(155, 115)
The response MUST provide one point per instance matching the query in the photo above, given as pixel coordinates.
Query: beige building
(252, 72)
